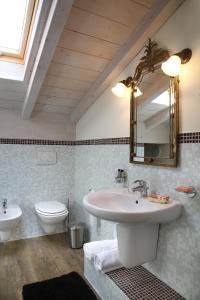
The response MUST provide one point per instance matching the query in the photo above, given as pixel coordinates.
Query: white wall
(42, 125)
(109, 115)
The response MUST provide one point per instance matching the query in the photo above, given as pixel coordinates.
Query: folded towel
(107, 260)
(92, 248)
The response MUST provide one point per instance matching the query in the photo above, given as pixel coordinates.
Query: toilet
(51, 214)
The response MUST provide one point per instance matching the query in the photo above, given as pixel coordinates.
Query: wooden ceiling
(94, 32)
(99, 39)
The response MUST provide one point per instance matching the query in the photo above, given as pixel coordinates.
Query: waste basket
(76, 235)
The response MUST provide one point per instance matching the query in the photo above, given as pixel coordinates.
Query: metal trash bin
(76, 235)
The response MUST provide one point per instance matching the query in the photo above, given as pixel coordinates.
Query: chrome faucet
(4, 204)
(141, 186)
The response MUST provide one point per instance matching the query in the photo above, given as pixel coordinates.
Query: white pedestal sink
(137, 221)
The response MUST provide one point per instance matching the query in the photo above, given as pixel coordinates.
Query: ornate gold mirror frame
(166, 150)
(150, 62)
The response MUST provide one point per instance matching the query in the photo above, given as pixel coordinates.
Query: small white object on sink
(137, 221)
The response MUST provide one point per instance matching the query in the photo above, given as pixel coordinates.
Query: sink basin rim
(168, 212)
(13, 211)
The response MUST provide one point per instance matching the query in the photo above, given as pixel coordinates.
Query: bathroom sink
(137, 221)
(9, 219)
(123, 207)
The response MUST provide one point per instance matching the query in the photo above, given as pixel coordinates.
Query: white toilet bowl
(51, 214)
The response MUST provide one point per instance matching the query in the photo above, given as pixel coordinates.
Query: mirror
(154, 119)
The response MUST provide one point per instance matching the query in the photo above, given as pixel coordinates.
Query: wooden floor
(35, 259)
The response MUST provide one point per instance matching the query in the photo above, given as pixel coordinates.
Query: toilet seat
(50, 215)
(65, 212)
(51, 208)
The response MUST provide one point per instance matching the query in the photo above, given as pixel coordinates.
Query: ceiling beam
(56, 20)
(159, 118)
(153, 20)
(153, 91)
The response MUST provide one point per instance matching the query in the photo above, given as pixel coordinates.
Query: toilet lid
(51, 207)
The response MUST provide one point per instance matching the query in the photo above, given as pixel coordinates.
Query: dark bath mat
(67, 287)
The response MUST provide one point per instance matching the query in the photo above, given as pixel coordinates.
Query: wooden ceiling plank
(53, 108)
(87, 44)
(11, 104)
(58, 14)
(146, 3)
(97, 26)
(125, 12)
(60, 93)
(78, 59)
(57, 101)
(11, 95)
(156, 17)
(12, 85)
(62, 82)
(58, 69)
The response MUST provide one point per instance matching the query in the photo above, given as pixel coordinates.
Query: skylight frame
(27, 28)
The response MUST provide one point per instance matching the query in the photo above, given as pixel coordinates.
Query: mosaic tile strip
(108, 141)
(139, 284)
(190, 137)
(35, 142)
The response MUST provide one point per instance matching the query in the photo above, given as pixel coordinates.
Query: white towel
(92, 248)
(107, 260)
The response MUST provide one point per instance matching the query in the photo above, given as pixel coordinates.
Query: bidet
(10, 216)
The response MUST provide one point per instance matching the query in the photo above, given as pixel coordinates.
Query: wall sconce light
(154, 58)
(171, 67)
(120, 88)
(137, 92)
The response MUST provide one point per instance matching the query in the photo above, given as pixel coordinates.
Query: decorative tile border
(190, 137)
(139, 284)
(35, 142)
(108, 141)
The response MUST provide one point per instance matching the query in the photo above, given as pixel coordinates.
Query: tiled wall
(24, 181)
(79, 168)
(178, 259)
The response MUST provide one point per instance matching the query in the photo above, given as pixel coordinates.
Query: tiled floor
(139, 284)
(36, 259)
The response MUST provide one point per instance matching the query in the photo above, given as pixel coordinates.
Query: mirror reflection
(152, 115)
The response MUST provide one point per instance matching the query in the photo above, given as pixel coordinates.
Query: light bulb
(137, 92)
(119, 90)
(171, 67)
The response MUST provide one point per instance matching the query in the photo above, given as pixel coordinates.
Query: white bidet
(9, 219)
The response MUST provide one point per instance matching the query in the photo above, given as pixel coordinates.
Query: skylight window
(162, 99)
(15, 24)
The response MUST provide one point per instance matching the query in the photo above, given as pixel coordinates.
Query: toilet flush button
(46, 158)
